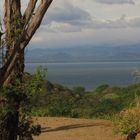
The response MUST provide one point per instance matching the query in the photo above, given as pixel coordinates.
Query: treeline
(104, 101)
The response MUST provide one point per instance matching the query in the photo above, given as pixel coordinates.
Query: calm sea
(89, 75)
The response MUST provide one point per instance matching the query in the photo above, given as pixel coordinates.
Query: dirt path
(75, 129)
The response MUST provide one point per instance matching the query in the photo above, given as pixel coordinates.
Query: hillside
(105, 102)
(76, 129)
(86, 53)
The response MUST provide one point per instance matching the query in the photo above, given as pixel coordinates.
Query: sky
(88, 22)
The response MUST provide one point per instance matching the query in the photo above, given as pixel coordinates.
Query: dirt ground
(75, 129)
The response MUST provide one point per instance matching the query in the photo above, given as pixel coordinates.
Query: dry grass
(75, 129)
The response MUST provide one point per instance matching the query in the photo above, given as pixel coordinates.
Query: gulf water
(88, 74)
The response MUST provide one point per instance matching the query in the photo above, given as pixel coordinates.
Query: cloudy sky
(86, 22)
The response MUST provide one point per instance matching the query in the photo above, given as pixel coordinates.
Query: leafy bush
(40, 112)
(128, 122)
(56, 100)
(15, 103)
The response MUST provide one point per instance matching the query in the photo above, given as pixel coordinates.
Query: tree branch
(29, 11)
(37, 19)
(16, 8)
(27, 34)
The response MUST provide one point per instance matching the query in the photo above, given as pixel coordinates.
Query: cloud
(116, 1)
(92, 24)
(134, 22)
(69, 24)
(86, 21)
(122, 22)
(65, 16)
(62, 27)
(93, 37)
(67, 12)
(37, 39)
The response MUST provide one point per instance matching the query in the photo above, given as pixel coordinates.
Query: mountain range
(86, 53)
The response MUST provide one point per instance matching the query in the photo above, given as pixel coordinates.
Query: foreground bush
(15, 105)
(128, 122)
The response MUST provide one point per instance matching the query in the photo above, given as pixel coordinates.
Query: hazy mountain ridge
(84, 54)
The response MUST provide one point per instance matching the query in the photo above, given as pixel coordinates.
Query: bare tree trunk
(18, 70)
(9, 122)
(10, 125)
(13, 26)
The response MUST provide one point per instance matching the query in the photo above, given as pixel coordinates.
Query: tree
(19, 29)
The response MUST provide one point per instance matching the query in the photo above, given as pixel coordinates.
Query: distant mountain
(84, 54)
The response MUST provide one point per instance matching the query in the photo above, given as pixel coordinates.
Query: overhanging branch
(29, 11)
(37, 19)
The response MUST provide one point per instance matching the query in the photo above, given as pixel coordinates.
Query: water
(89, 75)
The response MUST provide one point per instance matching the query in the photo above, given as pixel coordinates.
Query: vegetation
(128, 122)
(15, 103)
(38, 97)
(104, 101)
(120, 104)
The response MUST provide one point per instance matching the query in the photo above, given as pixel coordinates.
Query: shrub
(15, 104)
(128, 122)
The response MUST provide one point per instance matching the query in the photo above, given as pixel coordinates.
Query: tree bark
(10, 126)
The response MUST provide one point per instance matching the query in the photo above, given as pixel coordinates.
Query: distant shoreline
(88, 74)
(107, 61)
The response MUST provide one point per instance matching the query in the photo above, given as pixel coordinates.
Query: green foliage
(26, 128)
(16, 101)
(17, 25)
(40, 112)
(128, 122)
(101, 88)
(38, 97)
(46, 99)
(34, 84)
(103, 102)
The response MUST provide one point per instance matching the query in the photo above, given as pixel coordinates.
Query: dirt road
(75, 129)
